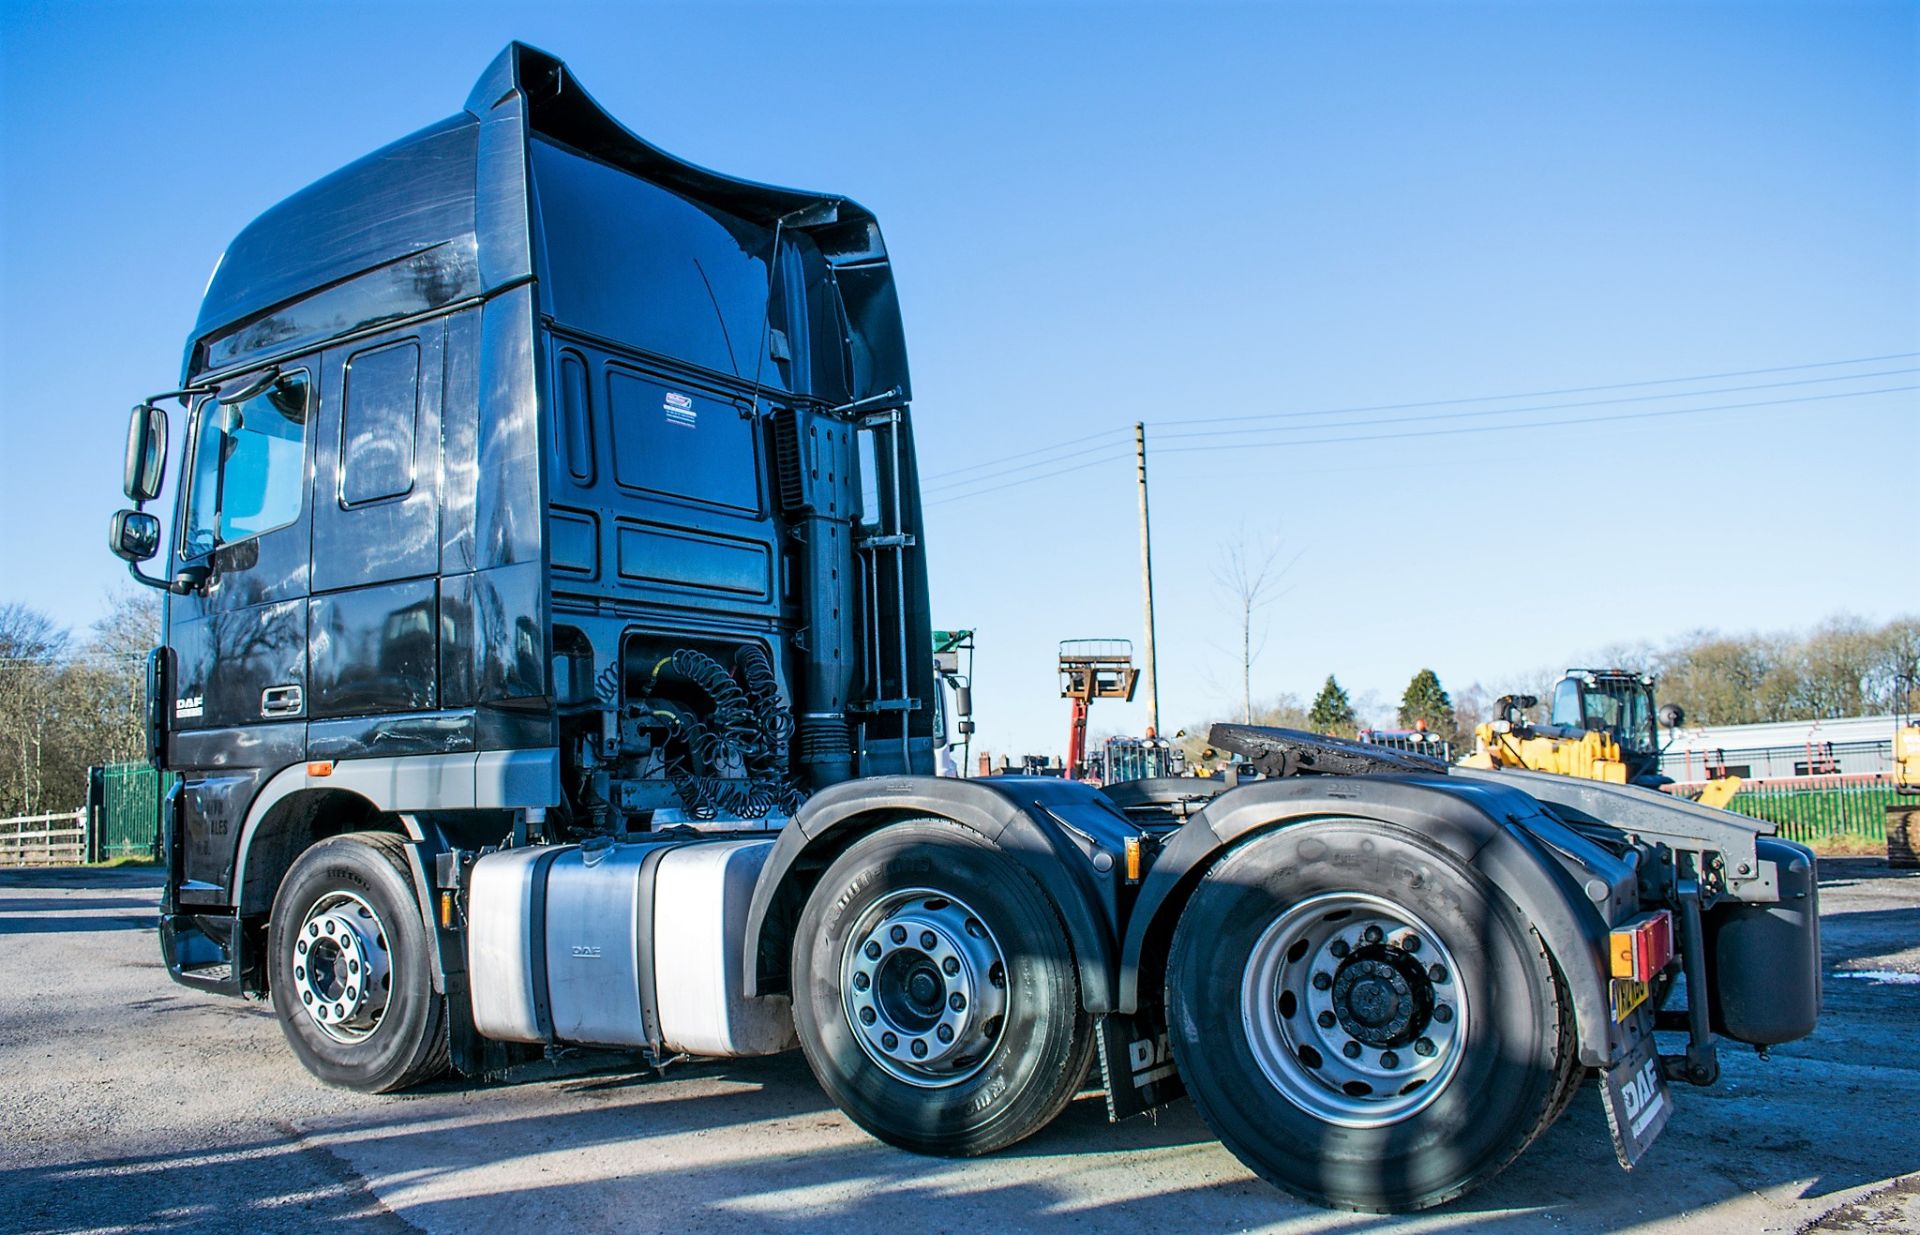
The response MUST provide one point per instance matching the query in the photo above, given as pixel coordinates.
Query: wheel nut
(1351, 1050)
(1437, 972)
(1389, 1060)
(313, 928)
(957, 1001)
(1322, 981)
(299, 971)
(353, 966)
(1412, 943)
(866, 1016)
(1442, 1013)
(899, 934)
(927, 940)
(873, 949)
(861, 981)
(1374, 934)
(300, 947)
(950, 966)
(889, 1041)
(919, 1048)
(1424, 1047)
(1338, 947)
(1326, 1020)
(945, 1033)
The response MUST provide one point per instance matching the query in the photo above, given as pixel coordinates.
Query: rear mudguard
(1565, 886)
(1066, 834)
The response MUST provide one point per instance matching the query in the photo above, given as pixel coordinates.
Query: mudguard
(1567, 887)
(1066, 834)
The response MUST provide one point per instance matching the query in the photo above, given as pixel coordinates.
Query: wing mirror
(134, 536)
(1671, 717)
(146, 455)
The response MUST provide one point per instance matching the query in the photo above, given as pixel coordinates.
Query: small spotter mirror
(1671, 717)
(146, 453)
(134, 535)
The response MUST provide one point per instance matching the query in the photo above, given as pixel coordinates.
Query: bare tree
(32, 653)
(1249, 572)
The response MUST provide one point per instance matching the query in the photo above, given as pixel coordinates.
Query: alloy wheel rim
(923, 986)
(342, 969)
(1354, 1010)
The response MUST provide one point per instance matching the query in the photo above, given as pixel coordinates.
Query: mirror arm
(133, 568)
(182, 394)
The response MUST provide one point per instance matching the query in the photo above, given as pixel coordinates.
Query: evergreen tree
(1332, 711)
(1426, 700)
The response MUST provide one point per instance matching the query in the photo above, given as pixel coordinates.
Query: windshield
(249, 466)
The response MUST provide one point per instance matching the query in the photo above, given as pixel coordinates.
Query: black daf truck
(546, 662)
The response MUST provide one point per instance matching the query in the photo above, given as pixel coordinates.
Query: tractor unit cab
(1619, 704)
(545, 467)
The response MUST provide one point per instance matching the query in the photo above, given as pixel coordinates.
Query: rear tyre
(349, 967)
(1362, 1020)
(935, 993)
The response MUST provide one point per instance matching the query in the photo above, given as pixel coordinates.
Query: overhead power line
(1541, 394)
(1037, 450)
(957, 497)
(1536, 407)
(1241, 447)
(1541, 424)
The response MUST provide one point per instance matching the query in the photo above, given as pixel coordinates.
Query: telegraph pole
(1146, 576)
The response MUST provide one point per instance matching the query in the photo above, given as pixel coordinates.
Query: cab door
(239, 638)
(373, 615)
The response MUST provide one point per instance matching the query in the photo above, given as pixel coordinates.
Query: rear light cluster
(1641, 948)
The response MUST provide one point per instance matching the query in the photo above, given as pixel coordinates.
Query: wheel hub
(341, 967)
(923, 983)
(1382, 998)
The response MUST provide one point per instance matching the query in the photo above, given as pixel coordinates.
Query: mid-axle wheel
(934, 992)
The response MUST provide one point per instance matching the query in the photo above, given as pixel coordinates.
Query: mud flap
(1637, 1101)
(1136, 1064)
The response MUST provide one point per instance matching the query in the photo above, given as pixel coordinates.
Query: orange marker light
(323, 767)
(1133, 859)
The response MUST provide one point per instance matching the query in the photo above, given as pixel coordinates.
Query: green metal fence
(125, 811)
(1813, 813)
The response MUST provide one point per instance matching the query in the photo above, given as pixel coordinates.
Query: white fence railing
(44, 840)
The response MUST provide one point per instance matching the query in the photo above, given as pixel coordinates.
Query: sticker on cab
(680, 410)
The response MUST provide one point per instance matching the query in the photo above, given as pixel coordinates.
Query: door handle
(281, 701)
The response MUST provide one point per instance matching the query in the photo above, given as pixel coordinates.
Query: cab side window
(249, 466)
(379, 424)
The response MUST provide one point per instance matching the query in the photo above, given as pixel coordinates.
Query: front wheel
(935, 995)
(1362, 1020)
(348, 956)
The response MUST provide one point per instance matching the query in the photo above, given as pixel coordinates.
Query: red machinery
(1092, 669)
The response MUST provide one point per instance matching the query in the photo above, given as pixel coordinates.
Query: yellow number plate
(1627, 995)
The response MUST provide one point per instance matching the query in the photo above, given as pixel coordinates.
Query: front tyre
(349, 967)
(1362, 1020)
(935, 994)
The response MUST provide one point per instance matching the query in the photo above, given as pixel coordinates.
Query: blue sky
(1105, 214)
